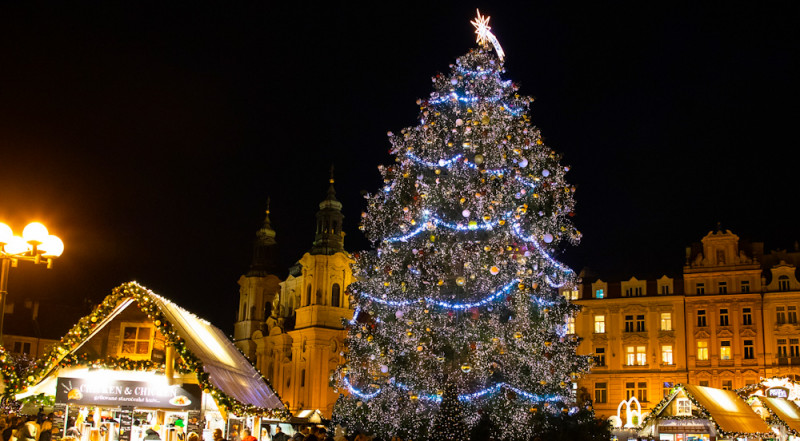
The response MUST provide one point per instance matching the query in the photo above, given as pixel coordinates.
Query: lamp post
(35, 245)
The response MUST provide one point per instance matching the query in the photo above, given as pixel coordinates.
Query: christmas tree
(461, 291)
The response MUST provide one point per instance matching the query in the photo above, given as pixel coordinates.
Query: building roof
(729, 412)
(197, 341)
(41, 319)
(785, 410)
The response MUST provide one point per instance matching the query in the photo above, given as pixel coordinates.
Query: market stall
(140, 363)
(698, 413)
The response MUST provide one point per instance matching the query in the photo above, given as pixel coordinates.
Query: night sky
(149, 136)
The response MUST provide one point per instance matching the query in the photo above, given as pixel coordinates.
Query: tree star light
(483, 30)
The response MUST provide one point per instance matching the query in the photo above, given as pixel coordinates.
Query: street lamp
(35, 245)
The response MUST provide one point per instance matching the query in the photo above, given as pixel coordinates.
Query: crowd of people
(27, 428)
(40, 428)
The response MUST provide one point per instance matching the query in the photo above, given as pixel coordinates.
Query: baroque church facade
(291, 329)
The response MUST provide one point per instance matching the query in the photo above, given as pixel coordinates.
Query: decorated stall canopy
(146, 337)
(705, 412)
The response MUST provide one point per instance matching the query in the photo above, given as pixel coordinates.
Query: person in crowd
(46, 432)
(72, 430)
(339, 434)
(247, 435)
(28, 431)
(279, 435)
(218, 435)
(152, 435)
(193, 437)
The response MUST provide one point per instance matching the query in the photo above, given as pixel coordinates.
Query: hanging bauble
(494, 270)
(548, 238)
(94, 319)
(384, 368)
(420, 348)
(545, 173)
(454, 81)
(466, 213)
(479, 159)
(466, 368)
(399, 314)
(485, 120)
(472, 225)
(459, 122)
(517, 334)
(460, 281)
(523, 162)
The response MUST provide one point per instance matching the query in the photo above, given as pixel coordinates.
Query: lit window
(599, 294)
(599, 324)
(700, 288)
(684, 407)
(136, 340)
(725, 350)
(630, 355)
(574, 294)
(666, 354)
(702, 350)
(747, 316)
(570, 325)
(600, 392)
(666, 321)
(641, 356)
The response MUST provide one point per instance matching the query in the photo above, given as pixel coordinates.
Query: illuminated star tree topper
(485, 36)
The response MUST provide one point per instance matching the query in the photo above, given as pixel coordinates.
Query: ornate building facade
(729, 319)
(298, 341)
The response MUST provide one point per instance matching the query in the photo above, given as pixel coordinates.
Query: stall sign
(59, 416)
(194, 421)
(125, 423)
(778, 392)
(85, 391)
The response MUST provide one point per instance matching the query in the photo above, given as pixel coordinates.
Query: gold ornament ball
(494, 270)
(460, 281)
(466, 368)
(518, 335)
(479, 159)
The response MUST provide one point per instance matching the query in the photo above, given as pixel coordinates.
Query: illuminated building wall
(729, 319)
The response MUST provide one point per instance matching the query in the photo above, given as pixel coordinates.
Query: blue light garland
(491, 390)
(436, 221)
(442, 304)
(470, 164)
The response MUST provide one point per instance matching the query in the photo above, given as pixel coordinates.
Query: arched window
(308, 295)
(335, 295)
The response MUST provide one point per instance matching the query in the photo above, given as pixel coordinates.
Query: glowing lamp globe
(16, 245)
(5, 233)
(52, 246)
(35, 232)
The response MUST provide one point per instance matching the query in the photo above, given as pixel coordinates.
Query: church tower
(305, 336)
(257, 289)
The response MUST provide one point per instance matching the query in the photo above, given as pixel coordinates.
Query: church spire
(329, 238)
(264, 249)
